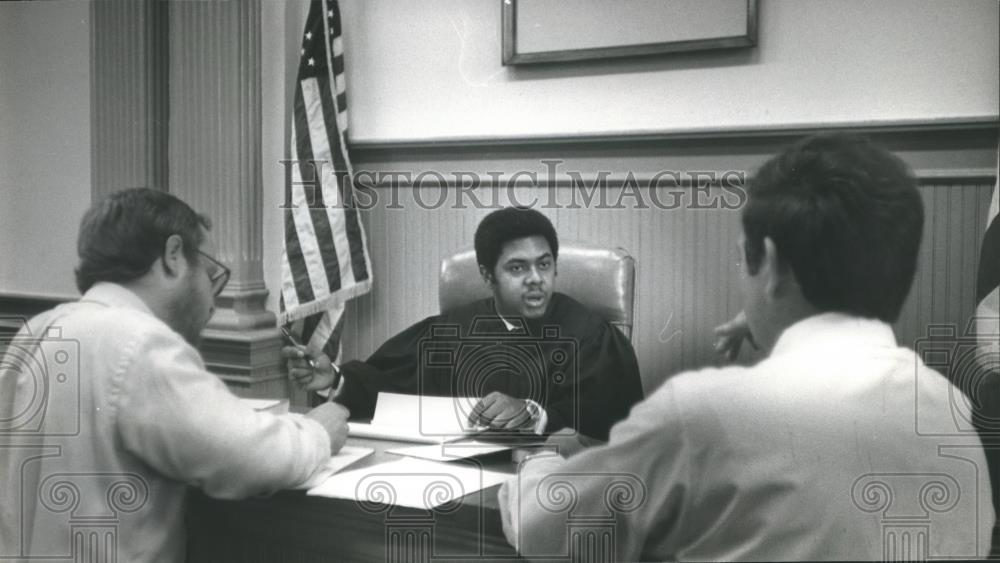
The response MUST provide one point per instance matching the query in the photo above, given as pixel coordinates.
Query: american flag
(325, 260)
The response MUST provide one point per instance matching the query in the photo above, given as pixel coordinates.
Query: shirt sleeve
(183, 421)
(633, 486)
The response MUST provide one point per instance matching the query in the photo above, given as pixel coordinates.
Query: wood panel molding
(937, 151)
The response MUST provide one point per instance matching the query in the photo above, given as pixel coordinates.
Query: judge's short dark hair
(846, 216)
(511, 223)
(122, 235)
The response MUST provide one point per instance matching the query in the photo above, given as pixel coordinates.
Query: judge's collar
(509, 325)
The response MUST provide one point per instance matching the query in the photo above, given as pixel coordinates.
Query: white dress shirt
(840, 445)
(104, 427)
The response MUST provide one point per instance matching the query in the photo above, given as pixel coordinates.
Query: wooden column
(129, 95)
(215, 165)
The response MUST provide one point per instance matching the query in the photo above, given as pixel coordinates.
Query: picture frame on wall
(548, 31)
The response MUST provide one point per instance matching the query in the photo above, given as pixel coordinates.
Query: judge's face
(523, 279)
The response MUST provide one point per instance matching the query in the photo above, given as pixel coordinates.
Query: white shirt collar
(510, 326)
(114, 295)
(834, 329)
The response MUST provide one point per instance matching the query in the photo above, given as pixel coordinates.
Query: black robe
(578, 367)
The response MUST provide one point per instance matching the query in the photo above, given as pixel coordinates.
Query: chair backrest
(603, 279)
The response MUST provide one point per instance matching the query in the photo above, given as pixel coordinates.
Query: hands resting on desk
(496, 410)
(315, 372)
(503, 412)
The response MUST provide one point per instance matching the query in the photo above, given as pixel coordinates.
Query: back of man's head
(122, 235)
(845, 216)
(507, 224)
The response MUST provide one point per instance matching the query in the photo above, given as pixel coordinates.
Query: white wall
(44, 142)
(431, 70)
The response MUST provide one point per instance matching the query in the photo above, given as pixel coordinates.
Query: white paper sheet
(415, 483)
(396, 433)
(449, 452)
(432, 415)
(415, 418)
(346, 456)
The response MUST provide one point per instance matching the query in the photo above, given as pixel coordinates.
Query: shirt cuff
(331, 393)
(538, 416)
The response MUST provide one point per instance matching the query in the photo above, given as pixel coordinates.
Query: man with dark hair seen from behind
(517, 250)
(145, 420)
(814, 452)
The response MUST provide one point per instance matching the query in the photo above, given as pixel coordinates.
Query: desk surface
(290, 526)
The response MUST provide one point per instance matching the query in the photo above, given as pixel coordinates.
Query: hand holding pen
(308, 371)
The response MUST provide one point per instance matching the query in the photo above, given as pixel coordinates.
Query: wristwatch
(533, 408)
(336, 376)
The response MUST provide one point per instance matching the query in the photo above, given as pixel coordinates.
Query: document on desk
(450, 452)
(417, 418)
(410, 482)
(338, 461)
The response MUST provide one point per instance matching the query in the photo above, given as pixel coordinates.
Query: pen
(295, 341)
(312, 363)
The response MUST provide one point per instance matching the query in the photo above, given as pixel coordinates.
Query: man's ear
(486, 274)
(174, 261)
(778, 276)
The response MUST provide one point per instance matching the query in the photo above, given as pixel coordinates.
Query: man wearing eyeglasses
(107, 400)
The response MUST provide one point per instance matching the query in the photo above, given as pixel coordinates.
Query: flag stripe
(325, 336)
(332, 346)
(296, 264)
(326, 143)
(289, 278)
(312, 252)
(326, 260)
(350, 246)
(309, 325)
(308, 137)
(354, 231)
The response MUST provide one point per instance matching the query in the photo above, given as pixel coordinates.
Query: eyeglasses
(219, 277)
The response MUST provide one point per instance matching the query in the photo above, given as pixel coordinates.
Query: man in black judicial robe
(540, 360)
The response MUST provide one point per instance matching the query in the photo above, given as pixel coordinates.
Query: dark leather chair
(603, 279)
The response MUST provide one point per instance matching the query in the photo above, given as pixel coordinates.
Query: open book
(417, 418)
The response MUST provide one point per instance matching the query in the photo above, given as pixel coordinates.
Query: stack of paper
(409, 482)
(450, 452)
(416, 418)
(346, 456)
